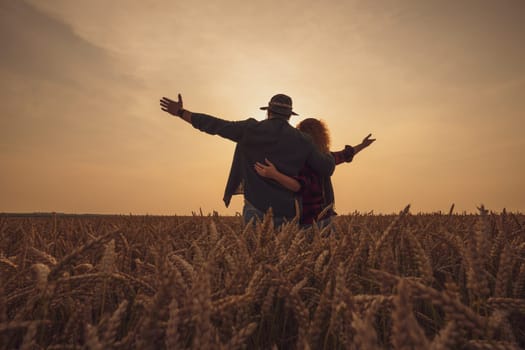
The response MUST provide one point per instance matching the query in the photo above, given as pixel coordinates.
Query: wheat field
(405, 281)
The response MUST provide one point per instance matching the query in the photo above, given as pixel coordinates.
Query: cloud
(60, 93)
(40, 47)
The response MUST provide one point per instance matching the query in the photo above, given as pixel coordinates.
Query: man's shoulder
(202, 117)
(278, 130)
(303, 137)
(249, 121)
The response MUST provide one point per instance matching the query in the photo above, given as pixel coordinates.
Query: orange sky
(440, 84)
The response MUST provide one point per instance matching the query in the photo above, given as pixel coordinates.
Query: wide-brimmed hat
(280, 104)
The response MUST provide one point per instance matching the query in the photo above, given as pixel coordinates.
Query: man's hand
(172, 107)
(266, 170)
(175, 108)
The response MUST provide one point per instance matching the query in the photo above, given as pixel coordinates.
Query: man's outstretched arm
(232, 130)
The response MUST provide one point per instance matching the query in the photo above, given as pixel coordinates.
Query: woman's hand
(367, 141)
(266, 170)
(270, 171)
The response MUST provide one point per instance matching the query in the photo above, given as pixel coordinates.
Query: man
(273, 138)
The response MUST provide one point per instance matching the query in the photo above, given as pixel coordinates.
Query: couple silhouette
(276, 165)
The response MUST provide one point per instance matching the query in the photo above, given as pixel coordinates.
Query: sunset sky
(440, 84)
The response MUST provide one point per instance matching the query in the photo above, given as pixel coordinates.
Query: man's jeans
(320, 224)
(249, 212)
(309, 230)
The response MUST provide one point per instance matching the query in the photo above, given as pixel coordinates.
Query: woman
(316, 192)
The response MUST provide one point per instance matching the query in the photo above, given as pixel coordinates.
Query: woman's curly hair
(318, 131)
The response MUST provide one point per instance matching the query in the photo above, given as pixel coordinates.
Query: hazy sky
(440, 84)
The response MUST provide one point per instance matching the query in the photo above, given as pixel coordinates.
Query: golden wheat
(437, 281)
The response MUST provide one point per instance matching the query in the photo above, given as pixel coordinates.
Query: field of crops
(406, 281)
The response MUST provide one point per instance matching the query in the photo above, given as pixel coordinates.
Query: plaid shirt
(312, 192)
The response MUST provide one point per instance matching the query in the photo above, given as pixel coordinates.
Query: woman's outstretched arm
(348, 153)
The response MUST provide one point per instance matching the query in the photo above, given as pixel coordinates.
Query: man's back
(286, 147)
